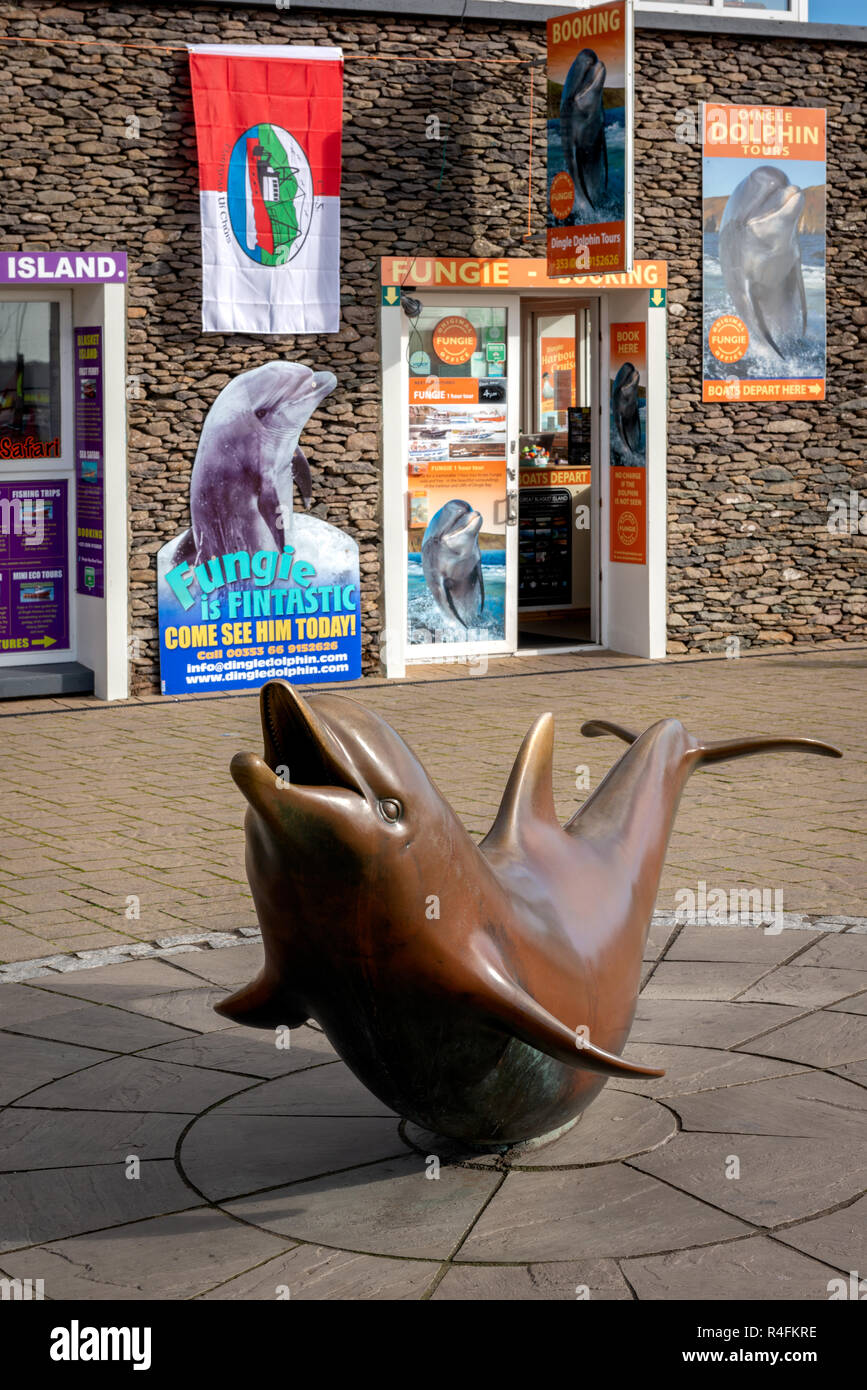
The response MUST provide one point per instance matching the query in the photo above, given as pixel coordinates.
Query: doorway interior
(558, 477)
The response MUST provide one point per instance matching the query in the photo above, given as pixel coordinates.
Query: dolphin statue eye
(390, 809)
(261, 412)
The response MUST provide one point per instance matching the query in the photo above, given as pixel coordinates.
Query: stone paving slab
(606, 1211)
(756, 1269)
(265, 1170)
(593, 1279)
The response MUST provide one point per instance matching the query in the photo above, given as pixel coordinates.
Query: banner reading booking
(255, 590)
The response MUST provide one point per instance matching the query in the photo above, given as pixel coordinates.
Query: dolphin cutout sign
(255, 588)
(484, 991)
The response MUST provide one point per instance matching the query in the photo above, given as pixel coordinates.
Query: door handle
(512, 509)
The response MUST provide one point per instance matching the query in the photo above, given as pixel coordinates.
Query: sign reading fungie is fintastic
(589, 204)
(268, 130)
(627, 431)
(255, 590)
(34, 570)
(89, 464)
(763, 217)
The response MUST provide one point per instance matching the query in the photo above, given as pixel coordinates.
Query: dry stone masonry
(98, 150)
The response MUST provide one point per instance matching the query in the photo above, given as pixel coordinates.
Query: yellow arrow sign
(43, 641)
(657, 298)
(391, 294)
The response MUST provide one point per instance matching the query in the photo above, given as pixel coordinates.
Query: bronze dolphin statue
(484, 991)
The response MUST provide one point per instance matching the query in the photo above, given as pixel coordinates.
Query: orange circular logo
(561, 196)
(454, 340)
(728, 338)
(627, 528)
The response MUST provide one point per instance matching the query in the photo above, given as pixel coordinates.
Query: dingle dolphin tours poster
(590, 99)
(256, 588)
(763, 219)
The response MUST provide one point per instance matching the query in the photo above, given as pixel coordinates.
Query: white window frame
(797, 12)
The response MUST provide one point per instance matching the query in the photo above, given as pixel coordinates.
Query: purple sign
(34, 578)
(62, 268)
(89, 464)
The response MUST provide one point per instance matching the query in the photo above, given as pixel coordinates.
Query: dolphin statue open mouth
(484, 991)
(760, 257)
(582, 128)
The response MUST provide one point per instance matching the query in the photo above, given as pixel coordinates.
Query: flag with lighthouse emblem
(268, 129)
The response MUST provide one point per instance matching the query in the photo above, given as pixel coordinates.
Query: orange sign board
(797, 389)
(628, 543)
(450, 390)
(764, 132)
(510, 273)
(554, 477)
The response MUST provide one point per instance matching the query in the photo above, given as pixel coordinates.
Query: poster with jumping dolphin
(763, 218)
(256, 588)
(627, 361)
(268, 131)
(456, 562)
(627, 435)
(590, 196)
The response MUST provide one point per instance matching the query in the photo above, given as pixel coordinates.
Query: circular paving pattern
(152, 1150)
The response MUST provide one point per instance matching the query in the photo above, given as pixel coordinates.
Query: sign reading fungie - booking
(763, 217)
(589, 205)
(255, 590)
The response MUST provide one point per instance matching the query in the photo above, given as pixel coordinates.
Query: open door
(558, 508)
(460, 365)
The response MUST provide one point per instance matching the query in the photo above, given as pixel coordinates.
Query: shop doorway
(498, 462)
(558, 476)
(38, 619)
(63, 480)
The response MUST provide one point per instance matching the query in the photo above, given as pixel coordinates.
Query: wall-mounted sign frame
(590, 140)
(763, 266)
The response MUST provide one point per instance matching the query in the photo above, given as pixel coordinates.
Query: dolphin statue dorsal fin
(529, 794)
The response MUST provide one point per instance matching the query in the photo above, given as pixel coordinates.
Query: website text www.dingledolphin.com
(218, 672)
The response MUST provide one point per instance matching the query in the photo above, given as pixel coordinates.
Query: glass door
(461, 478)
(557, 495)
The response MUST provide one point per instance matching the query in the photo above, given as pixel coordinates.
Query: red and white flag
(268, 128)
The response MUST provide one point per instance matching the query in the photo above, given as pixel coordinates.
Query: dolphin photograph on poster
(627, 425)
(763, 218)
(589, 124)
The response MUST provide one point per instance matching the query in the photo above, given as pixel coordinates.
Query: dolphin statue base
(483, 991)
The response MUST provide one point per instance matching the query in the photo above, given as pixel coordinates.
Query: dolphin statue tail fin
(722, 750)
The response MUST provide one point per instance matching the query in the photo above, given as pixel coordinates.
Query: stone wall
(98, 150)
